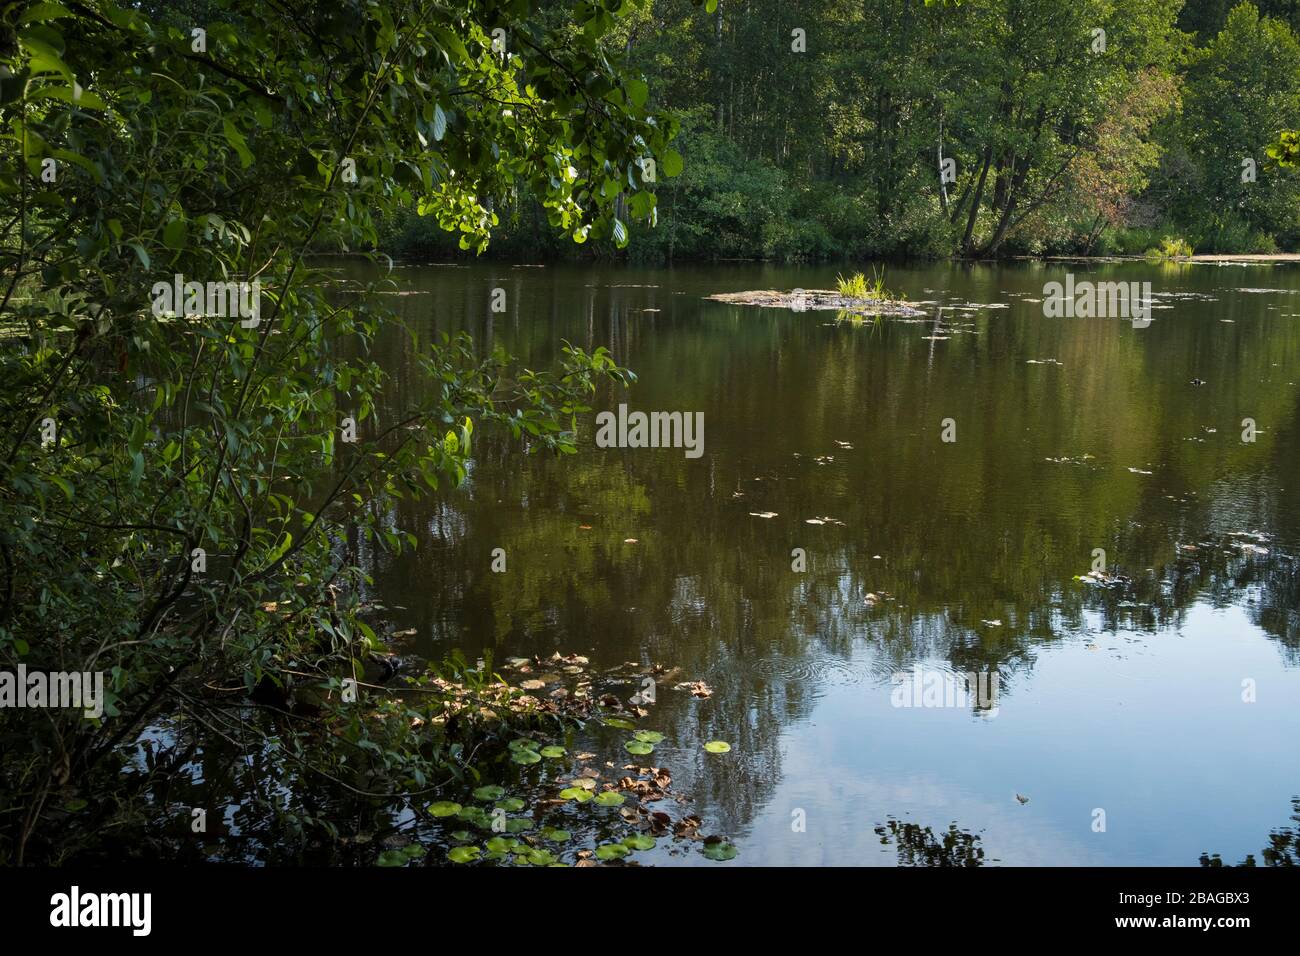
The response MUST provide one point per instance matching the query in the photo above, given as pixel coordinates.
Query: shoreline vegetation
(980, 130)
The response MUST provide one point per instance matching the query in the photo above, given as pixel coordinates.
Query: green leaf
(40, 12)
(75, 95)
(637, 92)
(174, 233)
(717, 747)
(439, 123)
(236, 139)
(720, 851)
(672, 163)
(140, 253)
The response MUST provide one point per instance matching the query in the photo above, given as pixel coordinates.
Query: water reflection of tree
(920, 846)
(976, 536)
(1283, 846)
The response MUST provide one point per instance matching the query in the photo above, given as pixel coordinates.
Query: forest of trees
(815, 129)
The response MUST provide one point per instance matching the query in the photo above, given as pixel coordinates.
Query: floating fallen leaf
(697, 688)
(719, 849)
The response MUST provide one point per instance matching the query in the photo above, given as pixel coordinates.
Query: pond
(1067, 520)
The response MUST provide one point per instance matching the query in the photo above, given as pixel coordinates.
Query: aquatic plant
(1170, 247)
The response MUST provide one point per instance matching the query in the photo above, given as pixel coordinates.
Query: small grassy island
(855, 295)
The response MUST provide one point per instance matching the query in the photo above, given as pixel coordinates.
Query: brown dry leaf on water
(533, 684)
(697, 688)
(688, 828)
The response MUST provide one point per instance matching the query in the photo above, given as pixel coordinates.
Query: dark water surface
(1071, 435)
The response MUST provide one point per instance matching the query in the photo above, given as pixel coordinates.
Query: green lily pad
(443, 808)
(638, 747)
(501, 844)
(464, 854)
(610, 798)
(414, 851)
(612, 851)
(511, 804)
(541, 857)
(649, 736)
(556, 836)
(523, 743)
(720, 851)
(576, 793)
(518, 825)
(620, 723)
(639, 841)
(526, 756)
(553, 752)
(477, 816)
(490, 792)
(461, 836)
(392, 858)
(717, 747)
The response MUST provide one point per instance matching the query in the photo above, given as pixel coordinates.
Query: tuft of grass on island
(856, 296)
